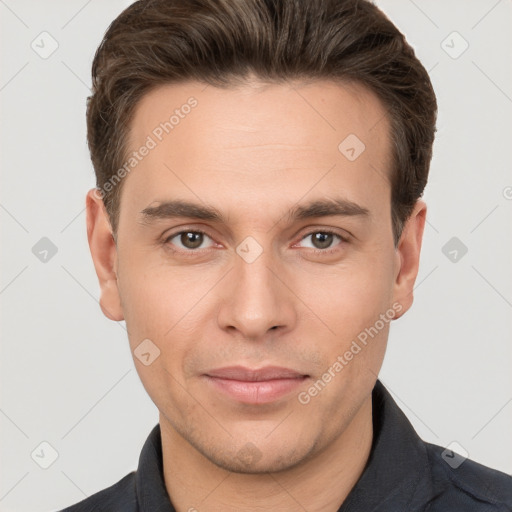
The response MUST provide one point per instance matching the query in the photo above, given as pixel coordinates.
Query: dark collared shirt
(403, 473)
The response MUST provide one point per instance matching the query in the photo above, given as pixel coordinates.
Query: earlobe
(104, 253)
(408, 257)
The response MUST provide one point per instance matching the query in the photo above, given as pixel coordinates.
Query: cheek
(148, 301)
(352, 295)
(166, 305)
(351, 302)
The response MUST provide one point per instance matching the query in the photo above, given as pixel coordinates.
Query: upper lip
(254, 375)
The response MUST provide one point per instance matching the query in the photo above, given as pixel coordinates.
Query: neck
(319, 484)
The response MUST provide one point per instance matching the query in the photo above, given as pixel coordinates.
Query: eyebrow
(186, 209)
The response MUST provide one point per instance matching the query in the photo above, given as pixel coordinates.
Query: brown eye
(322, 240)
(191, 239)
(188, 241)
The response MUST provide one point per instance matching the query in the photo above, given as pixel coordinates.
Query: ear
(408, 257)
(104, 255)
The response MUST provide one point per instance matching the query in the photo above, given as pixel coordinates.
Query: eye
(189, 240)
(322, 240)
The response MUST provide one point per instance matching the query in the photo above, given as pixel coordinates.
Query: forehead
(262, 110)
(254, 139)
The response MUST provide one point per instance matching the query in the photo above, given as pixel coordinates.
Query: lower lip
(260, 392)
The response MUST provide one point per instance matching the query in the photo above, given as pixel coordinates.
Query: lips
(254, 386)
(256, 375)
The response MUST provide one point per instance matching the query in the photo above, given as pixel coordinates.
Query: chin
(249, 459)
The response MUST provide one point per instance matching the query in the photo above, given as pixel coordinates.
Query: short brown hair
(221, 42)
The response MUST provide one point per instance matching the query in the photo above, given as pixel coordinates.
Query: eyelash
(194, 252)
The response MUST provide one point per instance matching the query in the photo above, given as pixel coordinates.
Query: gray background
(67, 375)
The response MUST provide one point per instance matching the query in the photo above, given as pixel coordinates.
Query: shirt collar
(150, 484)
(397, 473)
(397, 464)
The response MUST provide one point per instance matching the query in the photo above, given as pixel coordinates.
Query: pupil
(322, 240)
(191, 240)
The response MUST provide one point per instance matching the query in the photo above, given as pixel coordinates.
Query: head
(302, 133)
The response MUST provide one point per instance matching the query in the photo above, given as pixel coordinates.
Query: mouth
(255, 386)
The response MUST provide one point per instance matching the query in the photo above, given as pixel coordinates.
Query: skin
(254, 153)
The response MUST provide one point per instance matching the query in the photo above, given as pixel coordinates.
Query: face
(255, 252)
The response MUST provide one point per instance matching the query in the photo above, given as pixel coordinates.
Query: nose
(257, 298)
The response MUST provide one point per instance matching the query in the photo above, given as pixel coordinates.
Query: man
(257, 223)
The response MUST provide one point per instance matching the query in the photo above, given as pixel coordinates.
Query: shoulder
(463, 484)
(120, 497)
